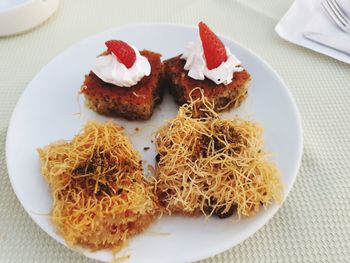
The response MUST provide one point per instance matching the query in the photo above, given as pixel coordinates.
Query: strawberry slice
(125, 54)
(214, 49)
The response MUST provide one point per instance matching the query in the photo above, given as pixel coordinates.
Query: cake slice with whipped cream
(210, 65)
(124, 82)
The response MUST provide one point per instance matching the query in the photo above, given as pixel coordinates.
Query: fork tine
(339, 9)
(335, 12)
(332, 14)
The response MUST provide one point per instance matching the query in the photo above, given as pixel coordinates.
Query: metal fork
(336, 12)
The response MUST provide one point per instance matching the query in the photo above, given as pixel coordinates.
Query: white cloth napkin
(308, 15)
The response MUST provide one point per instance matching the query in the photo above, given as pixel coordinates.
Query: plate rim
(251, 231)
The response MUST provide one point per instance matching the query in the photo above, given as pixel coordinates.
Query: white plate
(46, 113)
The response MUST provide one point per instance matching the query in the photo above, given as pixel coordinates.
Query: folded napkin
(309, 16)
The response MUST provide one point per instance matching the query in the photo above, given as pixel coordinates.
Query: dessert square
(225, 97)
(100, 196)
(134, 103)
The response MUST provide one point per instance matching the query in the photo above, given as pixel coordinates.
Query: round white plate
(46, 112)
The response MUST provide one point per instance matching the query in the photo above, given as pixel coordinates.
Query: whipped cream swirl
(110, 70)
(197, 66)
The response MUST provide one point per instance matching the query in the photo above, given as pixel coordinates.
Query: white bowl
(21, 15)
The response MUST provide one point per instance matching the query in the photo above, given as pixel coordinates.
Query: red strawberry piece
(214, 49)
(125, 54)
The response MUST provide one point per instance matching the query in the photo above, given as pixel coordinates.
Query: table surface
(314, 222)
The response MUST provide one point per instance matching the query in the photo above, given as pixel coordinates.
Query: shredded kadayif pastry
(100, 197)
(209, 165)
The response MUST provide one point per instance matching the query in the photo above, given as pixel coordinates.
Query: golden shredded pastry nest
(209, 165)
(100, 196)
